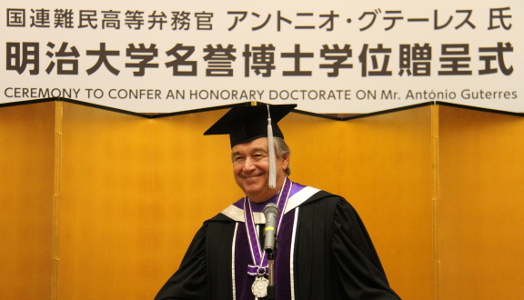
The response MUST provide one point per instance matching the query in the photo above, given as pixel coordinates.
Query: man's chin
(254, 194)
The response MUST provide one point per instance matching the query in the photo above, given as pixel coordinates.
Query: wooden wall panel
(438, 188)
(192, 180)
(315, 150)
(481, 224)
(104, 223)
(387, 165)
(27, 142)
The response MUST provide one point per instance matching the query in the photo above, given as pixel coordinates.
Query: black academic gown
(334, 258)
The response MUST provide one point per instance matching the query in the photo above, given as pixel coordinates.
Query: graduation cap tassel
(272, 155)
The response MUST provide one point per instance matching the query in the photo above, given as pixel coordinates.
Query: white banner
(331, 56)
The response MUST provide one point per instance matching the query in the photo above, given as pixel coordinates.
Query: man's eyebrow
(260, 149)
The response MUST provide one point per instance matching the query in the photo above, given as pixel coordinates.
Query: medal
(259, 287)
(260, 262)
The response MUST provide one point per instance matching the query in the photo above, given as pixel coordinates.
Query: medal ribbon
(259, 267)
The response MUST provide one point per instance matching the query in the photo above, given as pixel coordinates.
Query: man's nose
(249, 165)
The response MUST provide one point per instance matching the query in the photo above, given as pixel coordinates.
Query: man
(322, 251)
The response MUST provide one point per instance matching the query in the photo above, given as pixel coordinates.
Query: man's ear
(285, 161)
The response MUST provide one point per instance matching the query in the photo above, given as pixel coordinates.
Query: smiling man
(251, 169)
(322, 252)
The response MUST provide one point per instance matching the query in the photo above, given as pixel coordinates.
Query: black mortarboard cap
(247, 123)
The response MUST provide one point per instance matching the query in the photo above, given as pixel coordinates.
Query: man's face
(251, 169)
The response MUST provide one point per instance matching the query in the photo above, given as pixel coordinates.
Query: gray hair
(281, 149)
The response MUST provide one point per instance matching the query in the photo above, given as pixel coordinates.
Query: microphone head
(271, 208)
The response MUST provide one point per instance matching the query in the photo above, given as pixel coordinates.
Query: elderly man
(322, 250)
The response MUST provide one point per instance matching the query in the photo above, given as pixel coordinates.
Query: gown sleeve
(360, 274)
(190, 281)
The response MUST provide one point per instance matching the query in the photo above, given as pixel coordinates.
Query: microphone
(270, 231)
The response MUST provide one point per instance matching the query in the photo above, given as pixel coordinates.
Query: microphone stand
(271, 212)
(271, 275)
